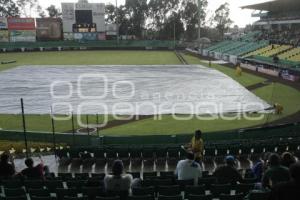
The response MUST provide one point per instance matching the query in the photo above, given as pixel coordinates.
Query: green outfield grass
(90, 58)
(43, 122)
(245, 80)
(275, 93)
(284, 95)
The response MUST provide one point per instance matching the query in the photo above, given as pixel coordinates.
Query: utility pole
(174, 35)
(199, 21)
(117, 23)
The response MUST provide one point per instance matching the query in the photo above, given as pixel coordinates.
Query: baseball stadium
(99, 87)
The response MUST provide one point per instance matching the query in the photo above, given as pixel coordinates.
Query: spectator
(32, 172)
(118, 183)
(289, 190)
(287, 159)
(275, 173)
(228, 173)
(258, 169)
(7, 167)
(197, 146)
(188, 169)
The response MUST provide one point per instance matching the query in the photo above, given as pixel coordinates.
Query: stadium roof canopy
(275, 6)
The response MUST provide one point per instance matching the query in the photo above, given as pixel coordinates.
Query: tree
(137, 11)
(158, 12)
(110, 13)
(173, 27)
(53, 12)
(26, 7)
(221, 18)
(9, 8)
(41, 12)
(191, 13)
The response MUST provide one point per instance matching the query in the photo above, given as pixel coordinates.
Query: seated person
(188, 169)
(289, 190)
(33, 172)
(287, 159)
(228, 172)
(7, 167)
(275, 173)
(118, 183)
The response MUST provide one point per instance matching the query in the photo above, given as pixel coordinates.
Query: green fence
(92, 44)
(288, 130)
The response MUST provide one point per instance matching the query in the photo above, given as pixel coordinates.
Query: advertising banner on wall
(68, 36)
(286, 75)
(3, 23)
(101, 36)
(23, 36)
(90, 36)
(4, 36)
(21, 24)
(48, 29)
(85, 36)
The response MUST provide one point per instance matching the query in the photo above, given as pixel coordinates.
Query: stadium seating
(247, 48)
(276, 50)
(260, 51)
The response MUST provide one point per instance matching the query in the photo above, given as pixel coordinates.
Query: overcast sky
(239, 16)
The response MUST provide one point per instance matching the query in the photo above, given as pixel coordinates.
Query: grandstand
(273, 46)
(81, 157)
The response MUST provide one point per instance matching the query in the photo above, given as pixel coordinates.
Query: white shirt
(188, 170)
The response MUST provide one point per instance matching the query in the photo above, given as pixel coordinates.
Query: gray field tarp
(139, 90)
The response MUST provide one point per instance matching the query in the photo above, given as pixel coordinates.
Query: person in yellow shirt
(278, 108)
(196, 146)
(238, 71)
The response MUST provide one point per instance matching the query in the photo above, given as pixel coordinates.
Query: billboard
(3, 23)
(48, 29)
(68, 36)
(21, 24)
(85, 36)
(22, 36)
(4, 36)
(101, 36)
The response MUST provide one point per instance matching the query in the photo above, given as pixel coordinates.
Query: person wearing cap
(228, 172)
(118, 183)
(188, 169)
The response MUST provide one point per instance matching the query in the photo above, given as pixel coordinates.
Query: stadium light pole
(24, 127)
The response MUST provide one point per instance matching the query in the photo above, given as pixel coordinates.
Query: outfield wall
(282, 131)
(74, 45)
